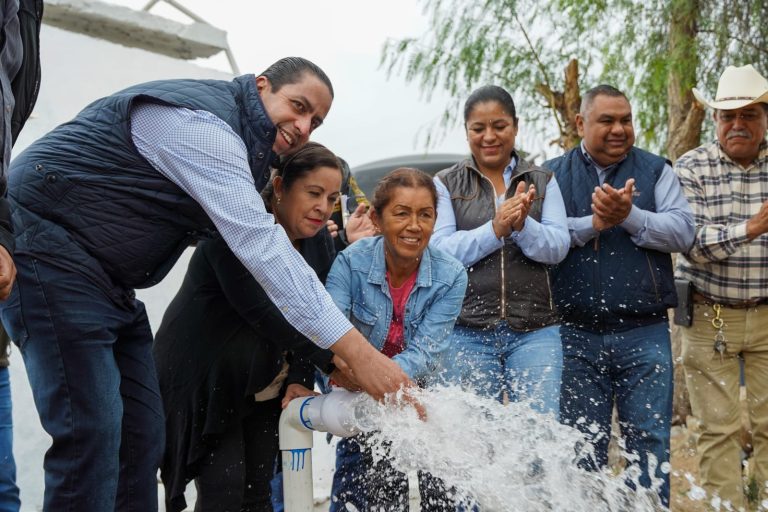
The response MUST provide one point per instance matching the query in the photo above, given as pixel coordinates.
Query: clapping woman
(504, 219)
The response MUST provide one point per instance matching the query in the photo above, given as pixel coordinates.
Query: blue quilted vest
(611, 284)
(86, 200)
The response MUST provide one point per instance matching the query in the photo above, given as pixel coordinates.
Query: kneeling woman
(404, 297)
(223, 348)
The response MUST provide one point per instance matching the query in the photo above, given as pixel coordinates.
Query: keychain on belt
(717, 322)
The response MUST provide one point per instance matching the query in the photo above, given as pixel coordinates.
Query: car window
(368, 175)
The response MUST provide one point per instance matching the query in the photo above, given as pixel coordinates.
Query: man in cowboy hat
(726, 182)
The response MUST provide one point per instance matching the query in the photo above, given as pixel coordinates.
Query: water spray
(494, 457)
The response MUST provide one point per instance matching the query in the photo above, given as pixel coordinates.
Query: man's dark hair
(490, 93)
(289, 70)
(601, 90)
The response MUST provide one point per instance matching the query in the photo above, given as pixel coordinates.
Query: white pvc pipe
(296, 448)
(336, 412)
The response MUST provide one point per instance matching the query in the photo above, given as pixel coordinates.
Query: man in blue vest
(626, 214)
(105, 204)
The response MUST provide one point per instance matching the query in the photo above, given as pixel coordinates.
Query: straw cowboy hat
(737, 88)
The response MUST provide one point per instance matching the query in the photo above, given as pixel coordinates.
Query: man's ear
(580, 125)
(262, 83)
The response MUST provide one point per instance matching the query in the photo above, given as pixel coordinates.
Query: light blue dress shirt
(669, 229)
(201, 154)
(546, 241)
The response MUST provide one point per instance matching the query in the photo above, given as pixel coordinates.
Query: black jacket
(222, 340)
(25, 84)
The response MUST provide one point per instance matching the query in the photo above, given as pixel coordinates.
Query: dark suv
(368, 175)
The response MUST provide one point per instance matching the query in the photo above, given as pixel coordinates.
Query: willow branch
(547, 84)
(737, 39)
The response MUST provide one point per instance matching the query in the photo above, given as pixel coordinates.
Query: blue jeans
(93, 379)
(632, 368)
(9, 492)
(371, 484)
(276, 486)
(527, 365)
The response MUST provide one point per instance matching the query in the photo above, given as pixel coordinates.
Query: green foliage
(732, 32)
(752, 490)
(472, 43)
(633, 44)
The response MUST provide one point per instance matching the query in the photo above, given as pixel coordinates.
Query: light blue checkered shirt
(201, 154)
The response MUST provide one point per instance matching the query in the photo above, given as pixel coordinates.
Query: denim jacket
(358, 285)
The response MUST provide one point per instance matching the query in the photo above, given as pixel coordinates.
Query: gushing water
(499, 457)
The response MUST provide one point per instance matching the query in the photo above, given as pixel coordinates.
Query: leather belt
(698, 298)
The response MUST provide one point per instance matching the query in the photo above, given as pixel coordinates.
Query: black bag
(684, 310)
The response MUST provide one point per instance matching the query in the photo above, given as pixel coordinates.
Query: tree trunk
(565, 106)
(685, 117)
(571, 106)
(684, 130)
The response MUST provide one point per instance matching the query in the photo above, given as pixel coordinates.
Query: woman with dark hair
(504, 219)
(404, 297)
(225, 354)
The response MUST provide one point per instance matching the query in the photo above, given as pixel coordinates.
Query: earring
(278, 199)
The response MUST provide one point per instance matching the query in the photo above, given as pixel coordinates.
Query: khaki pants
(713, 386)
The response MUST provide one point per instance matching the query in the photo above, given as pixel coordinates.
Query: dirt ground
(685, 467)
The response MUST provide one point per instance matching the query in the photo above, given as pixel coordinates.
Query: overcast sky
(372, 117)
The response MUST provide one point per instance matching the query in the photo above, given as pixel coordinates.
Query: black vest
(505, 285)
(611, 284)
(86, 200)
